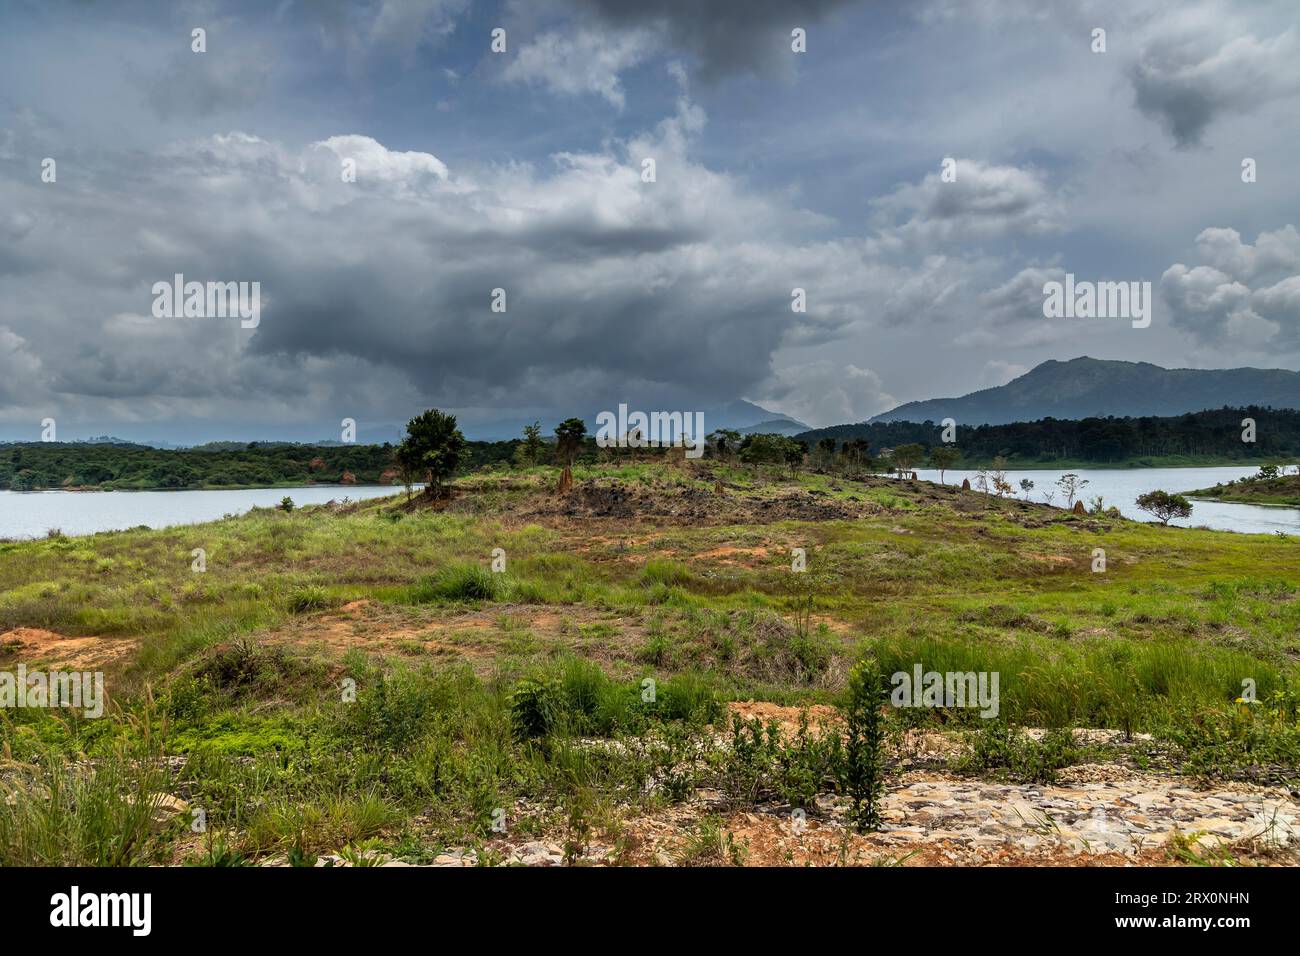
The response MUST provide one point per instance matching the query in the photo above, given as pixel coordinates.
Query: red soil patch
(28, 644)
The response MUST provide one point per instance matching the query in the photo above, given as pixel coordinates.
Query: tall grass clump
(458, 581)
(57, 811)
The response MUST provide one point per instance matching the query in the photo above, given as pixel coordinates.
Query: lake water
(30, 514)
(1121, 486)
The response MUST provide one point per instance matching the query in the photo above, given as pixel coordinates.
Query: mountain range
(1087, 387)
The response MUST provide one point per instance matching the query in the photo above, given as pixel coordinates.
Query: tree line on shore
(1274, 434)
(434, 450)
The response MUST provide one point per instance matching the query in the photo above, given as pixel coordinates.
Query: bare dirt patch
(36, 645)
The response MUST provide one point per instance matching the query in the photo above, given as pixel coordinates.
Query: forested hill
(1202, 436)
(32, 466)
(1087, 387)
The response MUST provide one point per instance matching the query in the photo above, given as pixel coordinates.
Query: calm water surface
(1121, 486)
(31, 514)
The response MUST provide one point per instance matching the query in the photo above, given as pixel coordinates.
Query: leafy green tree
(434, 446)
(943, 457)
(1164, 505)
(1071, 486)
(568, 440)
(907, 457)
(765, 449)
(533, 448)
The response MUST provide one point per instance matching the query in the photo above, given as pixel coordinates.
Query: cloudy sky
(522, 170)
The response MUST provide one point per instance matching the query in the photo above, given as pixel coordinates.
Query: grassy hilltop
(647, 680)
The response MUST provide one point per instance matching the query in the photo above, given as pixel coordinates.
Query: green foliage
(1204, 437)
(999, 748)
(532, 451)
(568, 439)
(1164, 505)
(458, 581)
(861, 767)
(433, 447)
(536, 706)
(943, 457)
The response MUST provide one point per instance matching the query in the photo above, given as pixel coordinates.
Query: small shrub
(535, 708)
(861, 763)
(1003, 749)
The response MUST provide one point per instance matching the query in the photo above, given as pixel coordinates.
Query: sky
(525, 170)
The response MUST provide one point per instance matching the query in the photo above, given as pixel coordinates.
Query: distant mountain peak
(1085, 387)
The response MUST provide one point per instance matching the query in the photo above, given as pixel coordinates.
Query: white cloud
(823, 392)
(1248, 299)
(575, 62)
(987, 201)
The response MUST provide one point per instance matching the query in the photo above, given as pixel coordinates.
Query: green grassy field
(477, 690)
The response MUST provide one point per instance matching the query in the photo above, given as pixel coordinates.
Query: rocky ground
(1095, 814)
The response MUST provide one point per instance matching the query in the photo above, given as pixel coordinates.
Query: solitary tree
(1164, 505)
(943, 457)
(433, 446)
(998, 477)
(1026, 486)
(531, 449)
(568, 440)
(1071, 485)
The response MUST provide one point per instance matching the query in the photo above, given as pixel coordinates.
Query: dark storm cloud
(1187, 86)
(376, 294)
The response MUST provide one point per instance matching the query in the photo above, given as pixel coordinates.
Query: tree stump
(965, 484)
(566, 481)
(1078, 508)
(717, 487)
